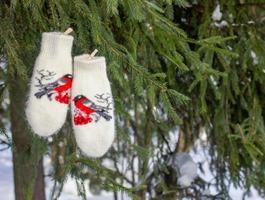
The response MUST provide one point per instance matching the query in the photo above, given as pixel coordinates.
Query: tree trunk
(27, 156)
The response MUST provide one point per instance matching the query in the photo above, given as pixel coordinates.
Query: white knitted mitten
(50, 85)
(92, 106)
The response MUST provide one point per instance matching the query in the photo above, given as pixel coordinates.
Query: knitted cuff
(95, 65)
(54, 44)
(85, 61)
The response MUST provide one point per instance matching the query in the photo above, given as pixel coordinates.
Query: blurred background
(187, 78)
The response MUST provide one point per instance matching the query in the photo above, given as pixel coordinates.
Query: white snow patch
(203, 135)
(6, 174)
(173, 138)
(61, 144)
(186, 168)
(148, 25)
(251, 22)
(254, 57)
(213, 80)
(3, 65)
(222, 24)
(50, 139)
(61, 159)
(217, 14)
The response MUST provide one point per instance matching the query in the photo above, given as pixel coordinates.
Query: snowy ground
(202, 156)
(6, 175)
(70, 192)
(7, 188)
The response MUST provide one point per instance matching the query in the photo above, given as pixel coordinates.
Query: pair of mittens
(54, 86)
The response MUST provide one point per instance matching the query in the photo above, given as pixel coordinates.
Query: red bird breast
(58, 89)
(87, 111)
(63, 91)
(80, 105)
(66, 86)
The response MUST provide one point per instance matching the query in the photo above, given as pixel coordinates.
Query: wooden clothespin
(90, 56)
(68, 31)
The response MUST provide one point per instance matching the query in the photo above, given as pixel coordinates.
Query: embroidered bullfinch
(49, 92)
(85, 108)
(60, 88)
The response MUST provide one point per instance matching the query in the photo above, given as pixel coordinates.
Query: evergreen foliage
(172, 68)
